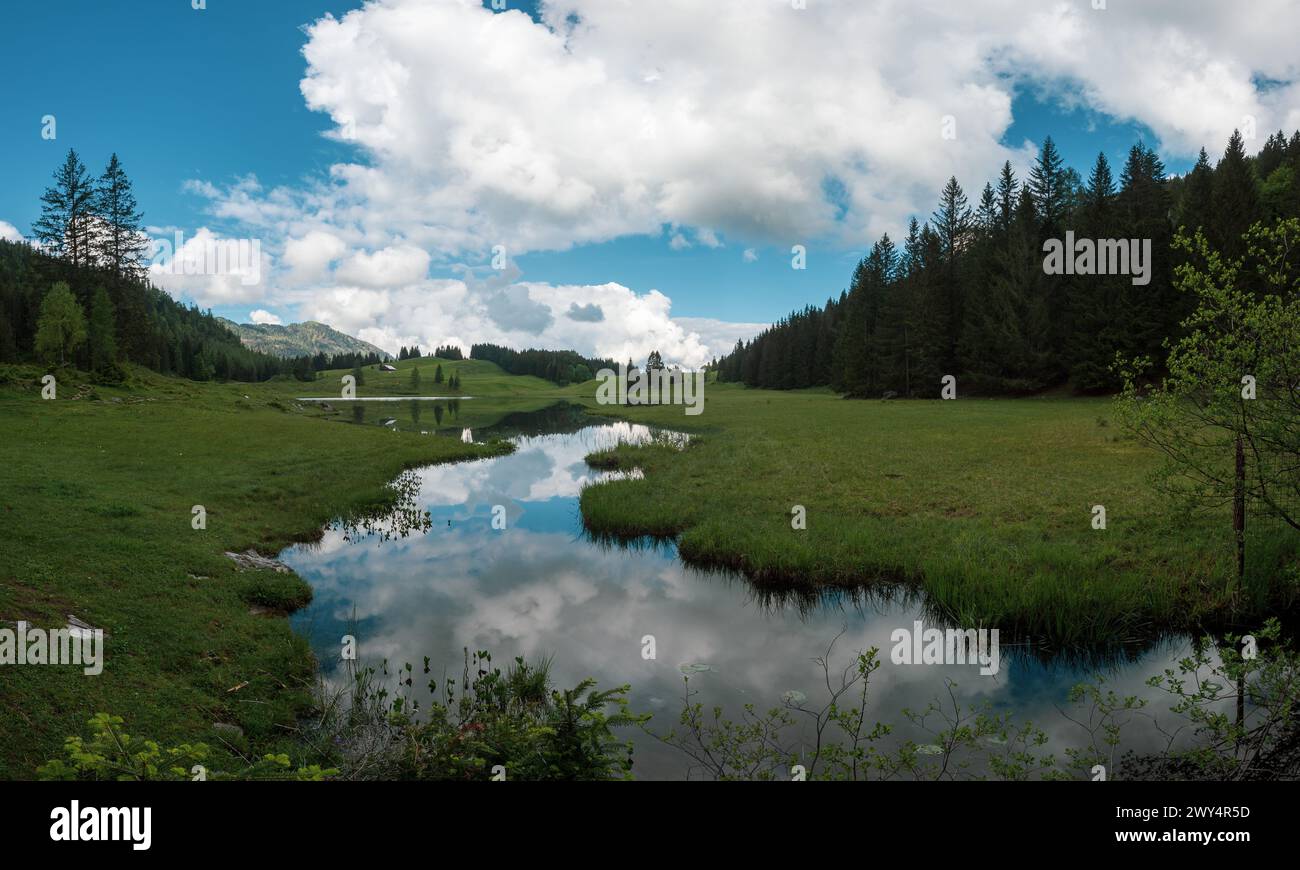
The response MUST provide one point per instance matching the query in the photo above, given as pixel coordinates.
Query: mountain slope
(299, 339)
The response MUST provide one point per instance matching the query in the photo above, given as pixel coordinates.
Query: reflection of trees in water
(389, 522)
(562, 418)
(957, 740)
(892, 595)
(1239, 700)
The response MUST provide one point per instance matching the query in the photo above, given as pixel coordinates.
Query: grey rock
(251, 560)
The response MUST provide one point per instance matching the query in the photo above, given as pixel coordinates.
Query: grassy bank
(96, 500)
(986, 503)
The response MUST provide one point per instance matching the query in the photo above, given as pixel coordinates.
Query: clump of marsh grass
(488, 724)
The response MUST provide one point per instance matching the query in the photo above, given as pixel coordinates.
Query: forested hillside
(82, 297)
(560, 366)
(147, 326)
(965, 293)
(308, 338)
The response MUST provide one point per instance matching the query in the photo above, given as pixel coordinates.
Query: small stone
(81, 629)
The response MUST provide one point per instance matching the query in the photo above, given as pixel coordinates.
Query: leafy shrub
(1234, 697)
(112, 754)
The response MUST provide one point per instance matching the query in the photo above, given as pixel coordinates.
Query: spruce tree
(66, 225)
(851, 363)
(986, 215)
(1150, 312)
(934, 326)
(953, 227)
(1098, 196)
(1006, 343)
(953, 220)
(1095, 319)
(1007, 193)
(860, 357)
(1236, 199)
(1197, 208)
(895, 329)
(1047, 184)
(119, 242)
(1271, 156)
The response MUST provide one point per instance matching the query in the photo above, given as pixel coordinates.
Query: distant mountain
(299, 339)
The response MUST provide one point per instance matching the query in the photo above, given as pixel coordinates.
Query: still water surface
(541, 587)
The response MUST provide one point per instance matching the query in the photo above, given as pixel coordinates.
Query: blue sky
(213, 96)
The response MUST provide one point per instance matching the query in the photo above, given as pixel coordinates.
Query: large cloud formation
(749, 121)
(522, 314)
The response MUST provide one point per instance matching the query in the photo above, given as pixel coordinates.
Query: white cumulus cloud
(262, 316)
(737, 121)
(612, 320)
(208, 268)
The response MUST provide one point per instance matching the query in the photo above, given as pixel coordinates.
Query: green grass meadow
(985, 504)
(98, 487)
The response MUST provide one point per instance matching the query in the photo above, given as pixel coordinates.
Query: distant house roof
(385, 367)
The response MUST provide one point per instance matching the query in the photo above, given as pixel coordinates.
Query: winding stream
(541, 587)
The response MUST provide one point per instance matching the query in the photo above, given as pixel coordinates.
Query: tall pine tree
(66, 225)
(118, 241)
(1047, 184)
(1236, 199)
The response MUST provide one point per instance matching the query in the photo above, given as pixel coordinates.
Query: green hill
(478, 378)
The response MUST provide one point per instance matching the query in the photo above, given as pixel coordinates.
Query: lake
(542, 587)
